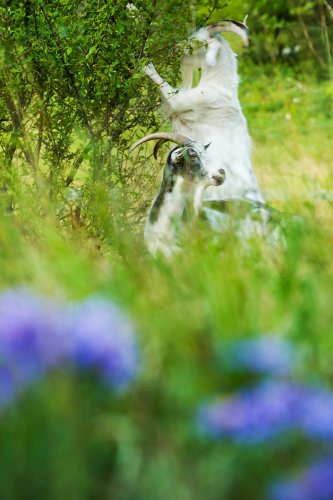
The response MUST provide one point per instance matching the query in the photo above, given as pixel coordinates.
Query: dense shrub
(73, 95)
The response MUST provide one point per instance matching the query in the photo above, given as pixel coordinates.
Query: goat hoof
(219, 179)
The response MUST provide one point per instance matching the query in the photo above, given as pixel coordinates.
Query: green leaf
(91, 51)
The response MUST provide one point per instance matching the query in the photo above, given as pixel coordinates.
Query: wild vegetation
(119, 371)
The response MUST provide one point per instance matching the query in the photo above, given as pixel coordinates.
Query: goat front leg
(166, 90)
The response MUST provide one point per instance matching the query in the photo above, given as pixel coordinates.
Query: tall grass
(145, 445)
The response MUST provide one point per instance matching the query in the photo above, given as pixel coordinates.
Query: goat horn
(231, 25)
(157, 147)
(161, 137)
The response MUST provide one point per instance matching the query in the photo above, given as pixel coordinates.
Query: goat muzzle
(219, 178)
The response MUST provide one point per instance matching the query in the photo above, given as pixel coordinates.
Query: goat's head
(189, 159)
(192, 162)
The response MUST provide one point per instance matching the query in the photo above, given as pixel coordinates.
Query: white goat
(187, 173)
(211, 112)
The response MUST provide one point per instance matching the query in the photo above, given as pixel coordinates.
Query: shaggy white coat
(211, 113)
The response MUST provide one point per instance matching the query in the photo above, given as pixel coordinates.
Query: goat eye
(192, 153)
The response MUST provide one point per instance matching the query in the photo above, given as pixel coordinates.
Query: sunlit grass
(208, 283)
(290, 121)
(217, 288)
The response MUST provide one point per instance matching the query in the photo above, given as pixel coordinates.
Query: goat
(187, 172)
(211, 112)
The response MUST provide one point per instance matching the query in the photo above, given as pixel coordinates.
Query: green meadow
(70, 436)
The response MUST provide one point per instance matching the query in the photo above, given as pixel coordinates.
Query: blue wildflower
(269, 354)
(315, 483)
(264, 412)
(253, 415)
(7, 387)
(272, 407)
(37, 335)
(316, 415)
(104, 339)
(31, 336)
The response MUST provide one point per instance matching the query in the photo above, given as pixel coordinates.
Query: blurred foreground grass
(215, 289)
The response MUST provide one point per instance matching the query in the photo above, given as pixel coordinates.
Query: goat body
(211, 113)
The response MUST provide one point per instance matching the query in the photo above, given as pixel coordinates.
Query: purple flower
(254, 415)
(316, 415)
(37, 335)
(264, 412)
(7, 387)
(315, 483)
(102, 338)
(31, 336)
(268, 354)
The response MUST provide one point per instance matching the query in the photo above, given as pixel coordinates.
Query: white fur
(211, 112)
(163, 234)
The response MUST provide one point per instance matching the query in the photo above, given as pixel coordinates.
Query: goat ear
(207, 145)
